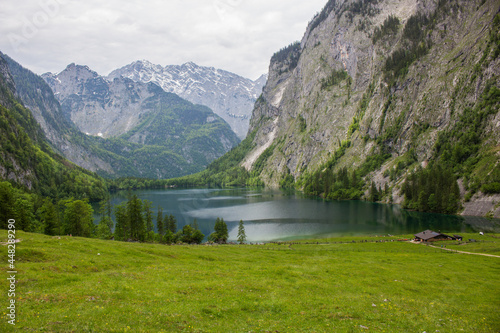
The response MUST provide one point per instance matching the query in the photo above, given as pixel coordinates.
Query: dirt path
(457, 251)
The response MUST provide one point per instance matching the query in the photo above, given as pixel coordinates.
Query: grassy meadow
(70, 284)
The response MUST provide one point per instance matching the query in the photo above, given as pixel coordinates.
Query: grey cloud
(235, 35)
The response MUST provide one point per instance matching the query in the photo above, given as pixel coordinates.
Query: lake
(271, 215)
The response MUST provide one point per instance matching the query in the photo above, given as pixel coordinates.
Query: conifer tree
(134, 212)
(172, 224)
(50, 218)
(122, 229)
(104, 229)
(187, 234)
(23, 210)
(242, 237)
(195, 225)
(159, 222)
(148, 216)
(220, 234)
(374, 193)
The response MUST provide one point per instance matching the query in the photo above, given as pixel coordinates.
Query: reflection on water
(273, 215)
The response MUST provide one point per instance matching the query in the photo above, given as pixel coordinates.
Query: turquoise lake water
(271, 215)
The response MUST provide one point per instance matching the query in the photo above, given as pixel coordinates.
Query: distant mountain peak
(79, 68)
(190, 64)
(229, 95)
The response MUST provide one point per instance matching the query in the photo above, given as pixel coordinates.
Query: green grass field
(65, 286)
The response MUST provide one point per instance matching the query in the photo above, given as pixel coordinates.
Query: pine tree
(134, 212)
(23, 210)
(242, 237)
(220, 234)
(432, 203)
(50, 218)
(159, 222)
(354, 179)
(104, 229)
(374, 193)
(122, 230)
(148, 215)
(172, 224)
(195, 225)
(187, 234)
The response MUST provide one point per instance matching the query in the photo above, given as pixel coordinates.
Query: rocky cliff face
(99, 107)
(378, 76)
(230, 96)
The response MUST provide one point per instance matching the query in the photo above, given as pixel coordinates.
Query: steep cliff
(381, 88)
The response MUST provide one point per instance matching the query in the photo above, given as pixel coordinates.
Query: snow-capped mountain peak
(229, 95)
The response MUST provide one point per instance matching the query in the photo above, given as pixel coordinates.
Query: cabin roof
(429, 234)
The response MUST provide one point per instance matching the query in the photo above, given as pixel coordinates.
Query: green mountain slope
(27, 160)
(61, 133)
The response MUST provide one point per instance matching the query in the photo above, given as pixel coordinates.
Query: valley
(188, 198)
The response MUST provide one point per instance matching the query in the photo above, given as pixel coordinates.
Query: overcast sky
(236, 35)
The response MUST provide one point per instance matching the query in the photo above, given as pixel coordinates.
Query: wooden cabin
(431, 236)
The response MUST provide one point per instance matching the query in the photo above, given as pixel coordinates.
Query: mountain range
(230, 96)
(129, 128)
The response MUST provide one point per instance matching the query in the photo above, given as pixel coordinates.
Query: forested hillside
(35, 179)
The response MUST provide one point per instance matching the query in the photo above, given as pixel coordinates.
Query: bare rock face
(99, 107)
(230, 96)
(335, 88)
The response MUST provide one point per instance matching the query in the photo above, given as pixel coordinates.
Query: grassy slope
(397, 287)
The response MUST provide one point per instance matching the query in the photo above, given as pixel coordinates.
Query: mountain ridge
(188, 142)
(229, 95)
